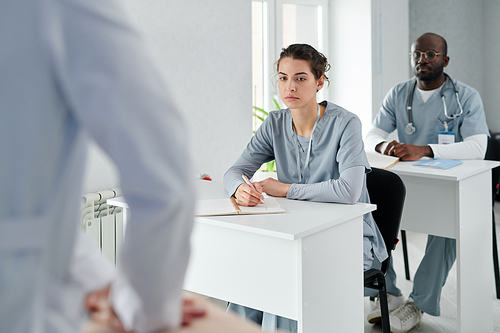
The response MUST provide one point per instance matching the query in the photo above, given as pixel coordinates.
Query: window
(277, 24)
(302, 24)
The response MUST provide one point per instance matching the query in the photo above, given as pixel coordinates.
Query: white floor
(446, 323)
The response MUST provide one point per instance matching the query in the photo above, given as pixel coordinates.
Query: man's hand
(407, 152)
(273, 187)
(247, 196)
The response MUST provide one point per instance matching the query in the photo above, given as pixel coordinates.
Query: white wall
(390, 40)
(491, 51)
(205, 47)
(101, 173)
(350, 57)
(460, 23)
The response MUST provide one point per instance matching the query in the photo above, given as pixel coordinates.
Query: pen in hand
(245, 178)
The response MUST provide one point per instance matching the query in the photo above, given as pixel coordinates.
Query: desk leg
(474, 255)
(332, 280)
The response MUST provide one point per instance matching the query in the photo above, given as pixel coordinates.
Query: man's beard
(429, 76)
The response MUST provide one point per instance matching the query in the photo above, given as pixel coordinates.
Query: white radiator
(103, 223)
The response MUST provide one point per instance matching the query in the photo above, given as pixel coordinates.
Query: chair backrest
(388, 192)
(493, 154)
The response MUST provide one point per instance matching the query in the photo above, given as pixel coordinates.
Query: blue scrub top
(429, 117)
(337, 145)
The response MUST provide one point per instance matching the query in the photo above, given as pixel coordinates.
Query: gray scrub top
(336, 145)
(429, 117)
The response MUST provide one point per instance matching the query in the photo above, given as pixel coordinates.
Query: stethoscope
(410, 129)
(306, 164)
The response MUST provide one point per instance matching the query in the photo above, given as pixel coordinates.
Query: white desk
(305, 264)
(456, 203)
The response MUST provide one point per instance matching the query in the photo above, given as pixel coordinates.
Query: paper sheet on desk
(226, 206)
(380, 161)
(270, 206)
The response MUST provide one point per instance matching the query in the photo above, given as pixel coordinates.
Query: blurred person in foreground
(71, 70)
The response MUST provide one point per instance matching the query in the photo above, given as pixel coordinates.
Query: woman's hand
(273, 187)
(247, 196)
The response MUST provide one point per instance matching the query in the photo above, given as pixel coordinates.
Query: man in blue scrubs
(453, 128)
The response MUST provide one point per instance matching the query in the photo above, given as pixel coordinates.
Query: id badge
(445, 137)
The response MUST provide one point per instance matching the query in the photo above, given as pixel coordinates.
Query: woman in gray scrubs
(319, 155)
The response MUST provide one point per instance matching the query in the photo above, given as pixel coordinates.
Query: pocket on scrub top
(450, 122)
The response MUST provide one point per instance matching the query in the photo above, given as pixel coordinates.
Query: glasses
(429, 55)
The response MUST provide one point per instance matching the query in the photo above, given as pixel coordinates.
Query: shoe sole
(395, 330)
(375, 319)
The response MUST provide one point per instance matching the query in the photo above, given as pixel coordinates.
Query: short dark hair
(317, 61)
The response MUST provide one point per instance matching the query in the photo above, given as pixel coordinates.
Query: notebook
(438, 163)
(228, 206)
(380, 161)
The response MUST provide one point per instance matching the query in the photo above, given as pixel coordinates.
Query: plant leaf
(259, 117)
(276, 104)
(270, 166)
(265, 113)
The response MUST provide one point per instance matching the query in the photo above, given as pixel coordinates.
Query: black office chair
(492, 154)
(388, 192)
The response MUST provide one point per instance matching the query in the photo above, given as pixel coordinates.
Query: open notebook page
(226, 206)
(270, 206)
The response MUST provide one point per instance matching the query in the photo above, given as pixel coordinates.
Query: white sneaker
(393, 303)
(405, 317)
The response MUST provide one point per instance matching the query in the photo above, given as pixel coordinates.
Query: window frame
(274, 39)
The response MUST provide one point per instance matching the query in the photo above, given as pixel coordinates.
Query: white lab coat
(70, 69)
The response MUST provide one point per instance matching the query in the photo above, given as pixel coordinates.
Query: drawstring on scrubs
(306, 164)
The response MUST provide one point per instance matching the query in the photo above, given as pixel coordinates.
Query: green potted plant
(267, 169)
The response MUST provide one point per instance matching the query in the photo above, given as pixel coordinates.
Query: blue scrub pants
(431, 275)
(268, 321)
